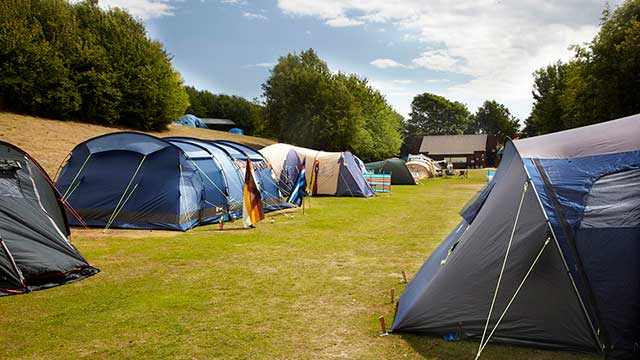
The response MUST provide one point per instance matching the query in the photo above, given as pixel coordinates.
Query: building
(464, 151)
(219, 124)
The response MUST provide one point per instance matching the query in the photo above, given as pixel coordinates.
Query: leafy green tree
(246, 114)
(494, 118)
(434, 115)
(306, 104)
(601, 82)
(78, 61)
(547, 112)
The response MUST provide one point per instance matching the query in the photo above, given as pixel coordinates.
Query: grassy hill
(50, 141)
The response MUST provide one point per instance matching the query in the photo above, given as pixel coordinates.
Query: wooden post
(393, 295)
(404, 277)
(382, 324)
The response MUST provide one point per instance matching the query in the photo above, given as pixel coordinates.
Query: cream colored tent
(339, 173)
(422, 168)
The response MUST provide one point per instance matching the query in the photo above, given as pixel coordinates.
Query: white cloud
(254, 16)
(234, 2)
(496, 44)
(343, 22)
(440, 60)
(261, 65)
(432, 81)
(387, 63)
(403, 81)
(144, 9)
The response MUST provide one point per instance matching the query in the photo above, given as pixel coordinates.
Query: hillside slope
(50, 141)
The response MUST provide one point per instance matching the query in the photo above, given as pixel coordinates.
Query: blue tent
(132, 180)
(271, 195)
(236, 131)
(192, 121)
(138, 181)
(548, 254)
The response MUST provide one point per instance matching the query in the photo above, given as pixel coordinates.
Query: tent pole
(111, 218)
(535, 261)
(525, 187)
(64, 197)
(13, 263)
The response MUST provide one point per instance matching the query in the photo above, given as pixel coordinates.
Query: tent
(400, 174)
(338, 174)
(137, 181)
(285, 163)
(35, 252)
(264, 176)
(423, 169)
(192, 121)
(547, 254)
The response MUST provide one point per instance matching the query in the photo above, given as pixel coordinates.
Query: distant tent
(339, 173)
(237, 131)
(192, 121)
(400, 174)
(423, 169)
(285, 163)
(35, 252)
(547, 255)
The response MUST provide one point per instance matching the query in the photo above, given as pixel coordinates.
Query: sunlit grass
(298, 286)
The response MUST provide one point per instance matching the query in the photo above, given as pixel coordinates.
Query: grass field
(297, 287)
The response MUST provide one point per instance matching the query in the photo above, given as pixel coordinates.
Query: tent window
(9, 183)
(614, 201)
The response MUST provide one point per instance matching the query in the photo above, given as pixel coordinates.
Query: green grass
(296, 287)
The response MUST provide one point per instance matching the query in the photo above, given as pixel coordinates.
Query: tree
(601, 82)
(547, 113)
(434, 115)
(65, 61)
(246, 114)
(494, 118)
(306, 104)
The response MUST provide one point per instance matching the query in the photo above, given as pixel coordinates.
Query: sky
(467, 50)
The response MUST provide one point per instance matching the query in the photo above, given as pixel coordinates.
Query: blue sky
(467, 50)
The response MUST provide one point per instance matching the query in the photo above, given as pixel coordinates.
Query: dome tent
(400, 174)
(192, 121)
(272, 198)
(285, 164)
(423, 169)
(338, 174)
(554, 239)
(35, 252)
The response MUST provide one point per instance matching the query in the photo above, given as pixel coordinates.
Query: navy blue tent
(548, 254)
(192, 121)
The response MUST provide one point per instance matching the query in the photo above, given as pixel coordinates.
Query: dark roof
(211, 121)
(453, 144)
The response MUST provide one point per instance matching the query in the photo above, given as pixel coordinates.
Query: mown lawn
(297, 287)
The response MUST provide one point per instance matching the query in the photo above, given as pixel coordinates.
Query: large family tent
(339, 173)
(192, 121)
(400, 174)
(548, 254)
(35, 252)
(285, 163)
(272, 198)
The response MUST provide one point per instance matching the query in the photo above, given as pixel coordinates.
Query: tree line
(78, 61)
(246, 114)
(435, 115)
